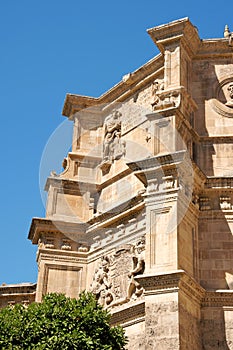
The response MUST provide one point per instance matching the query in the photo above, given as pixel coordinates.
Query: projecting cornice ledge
(181, 30)
(39, 225)
(170, 282)
(127, 87)
(147, 168)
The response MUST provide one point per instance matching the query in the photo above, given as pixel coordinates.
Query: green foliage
(59, 323)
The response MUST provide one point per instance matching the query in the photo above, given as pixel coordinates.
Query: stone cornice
(39, 225)
(161, 160)
(160, 283)
(172, 281)
(129, 84)
(116, 214)
(148, 168)
(53, 256)
(69, 184)
(85, 156)
(21, 288)
(216, 215)
(75, 185)
(191, 288)
(176, 31)
(134, 313)
(220, 182)
(213, 48)
(216, 139)
(218, 298)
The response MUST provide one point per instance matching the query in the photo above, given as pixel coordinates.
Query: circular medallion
(223, 103)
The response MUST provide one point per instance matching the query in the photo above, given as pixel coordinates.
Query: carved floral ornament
(223, 101)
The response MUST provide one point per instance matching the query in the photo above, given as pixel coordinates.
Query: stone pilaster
(162, 178)
(172, 311)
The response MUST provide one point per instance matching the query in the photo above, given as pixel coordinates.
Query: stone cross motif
(229, 103)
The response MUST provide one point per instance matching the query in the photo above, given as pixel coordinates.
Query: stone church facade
(142, 214)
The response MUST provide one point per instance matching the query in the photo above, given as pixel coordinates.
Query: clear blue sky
(49, 48)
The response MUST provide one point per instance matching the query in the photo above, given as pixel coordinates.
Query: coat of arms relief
(113, 282)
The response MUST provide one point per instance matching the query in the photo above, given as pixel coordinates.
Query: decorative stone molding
(170, 282)
(163, 184)
(83, 247)
(66, 244)
(117, 214)
(204, 203)
(158, 167)
(225, 203)
(192, 288)
(43, 227)
(210, 215)
(49, 243)
(60, 256)
(218, 298)
(160, 283)
(128, 314)
(22, 293)
(219, 182)
(182, 30)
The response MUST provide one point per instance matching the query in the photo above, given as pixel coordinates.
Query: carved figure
(135, 290)
(230, 102)
(157, 86)
(101, 285)
(112, 147)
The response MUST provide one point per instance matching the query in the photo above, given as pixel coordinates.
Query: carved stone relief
(223, 101)
(161, 98)
(114, 281)
(122, 261)
(102, 284)
(113, 146)
(157, 86)
(229, 103)
(135, 290)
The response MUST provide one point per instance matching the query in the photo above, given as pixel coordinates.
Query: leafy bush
(59, 323)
